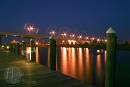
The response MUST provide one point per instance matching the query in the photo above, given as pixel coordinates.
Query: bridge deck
(34, 75)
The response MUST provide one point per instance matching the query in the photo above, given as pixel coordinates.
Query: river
(88, 65)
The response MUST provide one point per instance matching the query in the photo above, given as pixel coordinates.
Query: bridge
(63, 40)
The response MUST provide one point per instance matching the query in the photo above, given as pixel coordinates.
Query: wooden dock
(33, 75)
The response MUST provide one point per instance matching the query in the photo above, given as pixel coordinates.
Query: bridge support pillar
(52, 53)
(111, 58)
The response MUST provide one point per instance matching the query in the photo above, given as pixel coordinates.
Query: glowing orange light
(64, 34)
(88, 65)
(69, 41)
(98, 51)
(28, 53)
(80, 36)
(73, 62)
(72, 35)
(14, 41)
(98, 40)
(64, 61)
(53, 33)
(37, 56)
(31, 28)
(99, 67)
(28, 50)
(87, 37)
(36, 43)
(73, 41)
(63, 41)
(93, 38)
(80, 62)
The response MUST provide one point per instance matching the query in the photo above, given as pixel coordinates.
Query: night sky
(93, 17)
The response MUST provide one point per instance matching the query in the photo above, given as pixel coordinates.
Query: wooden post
(13, 48)
(23, 49)
(93, 65)
(111, 58)
(33, 53)
(0, 39)
(16, 47)
(52, 60)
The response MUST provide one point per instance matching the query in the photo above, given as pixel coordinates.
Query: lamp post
(52, 34)
(31, 30)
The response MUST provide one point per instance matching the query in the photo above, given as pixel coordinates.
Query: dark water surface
(88, 65)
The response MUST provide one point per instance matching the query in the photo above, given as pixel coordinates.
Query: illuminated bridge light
(80, 36)
(72, 35)
(64, 34)
(53, 32)
(87, 37)
(73, 41)
(69, 41)
(98, 40)
(92, 38)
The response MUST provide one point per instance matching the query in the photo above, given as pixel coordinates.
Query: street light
(36, 43)
(64, 34)
(87, 37)
(31, 28)
(80, 36)
(52, 33)
(72, 35)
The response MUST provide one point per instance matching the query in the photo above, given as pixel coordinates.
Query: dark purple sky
(85, 16)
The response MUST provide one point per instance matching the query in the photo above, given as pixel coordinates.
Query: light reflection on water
(93, 65)
(78, 63)
(88, 65)
(64, 61)
(37, 55)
